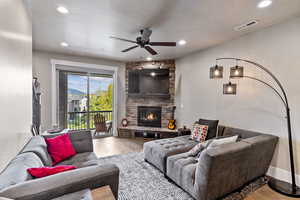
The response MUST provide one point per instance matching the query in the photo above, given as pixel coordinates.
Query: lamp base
(284, 188)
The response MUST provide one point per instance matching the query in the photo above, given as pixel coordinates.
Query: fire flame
(150, 116)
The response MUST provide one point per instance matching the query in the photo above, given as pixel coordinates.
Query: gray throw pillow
(222, 141)
(212, 127)
(199, 148)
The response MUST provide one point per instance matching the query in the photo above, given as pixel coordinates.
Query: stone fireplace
(134, 104)
(149, 116)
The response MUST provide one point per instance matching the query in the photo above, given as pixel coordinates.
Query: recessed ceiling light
(149, 58)
(64, 44)
(182, 42)
(62, 10)
(264, 3)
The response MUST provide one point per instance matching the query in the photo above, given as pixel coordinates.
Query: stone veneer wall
(167, 104)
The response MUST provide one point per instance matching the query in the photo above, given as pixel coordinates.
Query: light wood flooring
(114, 145)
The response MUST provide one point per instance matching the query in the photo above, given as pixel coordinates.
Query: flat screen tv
(148, 82)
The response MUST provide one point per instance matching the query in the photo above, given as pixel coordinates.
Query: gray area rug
(141, 181)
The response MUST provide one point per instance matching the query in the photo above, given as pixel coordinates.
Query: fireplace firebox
(149, 116)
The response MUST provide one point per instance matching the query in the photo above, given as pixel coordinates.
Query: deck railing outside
(85, 120)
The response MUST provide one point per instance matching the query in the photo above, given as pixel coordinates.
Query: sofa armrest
(224, 167)
(81, 140)
(64, 183)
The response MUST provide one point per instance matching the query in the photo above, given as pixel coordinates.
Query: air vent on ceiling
(246, 25)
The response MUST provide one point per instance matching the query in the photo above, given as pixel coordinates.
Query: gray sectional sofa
(16, 183)
(218, 171)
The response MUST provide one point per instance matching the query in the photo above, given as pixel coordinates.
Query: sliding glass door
(87, 95)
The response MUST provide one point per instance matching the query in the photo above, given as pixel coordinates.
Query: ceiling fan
(143, 41)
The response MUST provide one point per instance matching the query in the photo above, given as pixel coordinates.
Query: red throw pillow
(47, 171)
(60, 148)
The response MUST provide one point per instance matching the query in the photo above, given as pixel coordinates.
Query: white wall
(42, 70)
(255, 107)
(16, 78)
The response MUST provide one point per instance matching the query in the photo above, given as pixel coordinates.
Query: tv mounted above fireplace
(149, 82)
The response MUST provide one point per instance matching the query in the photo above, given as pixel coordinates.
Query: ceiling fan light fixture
(144, 42)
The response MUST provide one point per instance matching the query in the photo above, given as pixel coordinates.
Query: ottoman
(156, 152)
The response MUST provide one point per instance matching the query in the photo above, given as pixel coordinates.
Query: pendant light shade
(236, 72)
(216, 72)
(229, 88)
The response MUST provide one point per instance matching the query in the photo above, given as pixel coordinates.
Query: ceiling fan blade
(130, 48)
(121, 39)
(168, 44)
(150, 50)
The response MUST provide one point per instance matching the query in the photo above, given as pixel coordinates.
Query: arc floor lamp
(216, 72)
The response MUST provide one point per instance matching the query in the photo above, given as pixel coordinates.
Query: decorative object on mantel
(172, 121)
(124, 122)
(238, 72)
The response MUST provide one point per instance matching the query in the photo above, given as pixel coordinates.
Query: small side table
(182, 132)
(103, 193)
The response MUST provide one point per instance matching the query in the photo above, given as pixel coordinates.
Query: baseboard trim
(282, 174)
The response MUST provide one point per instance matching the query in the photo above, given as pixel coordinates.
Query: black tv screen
(148, 82)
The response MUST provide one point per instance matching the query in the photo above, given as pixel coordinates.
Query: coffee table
(103, 193)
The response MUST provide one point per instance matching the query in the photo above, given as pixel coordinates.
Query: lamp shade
(236, 72)
(229, 88)
(216, 72)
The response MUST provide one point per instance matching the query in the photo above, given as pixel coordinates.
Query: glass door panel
(77, 103)
(100, 99)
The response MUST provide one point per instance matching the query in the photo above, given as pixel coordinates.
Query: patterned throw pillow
(199, 132)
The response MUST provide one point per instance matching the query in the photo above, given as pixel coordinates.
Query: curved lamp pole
(238, 72)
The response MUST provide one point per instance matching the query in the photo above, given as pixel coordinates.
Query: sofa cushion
(16, 170)
(212, 127)
(60, 148)
(82, 140)
(82, 195)
(181, 169)
(81, 160)
(156, 152)
(38, 146)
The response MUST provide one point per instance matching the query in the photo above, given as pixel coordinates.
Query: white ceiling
(202, 23)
